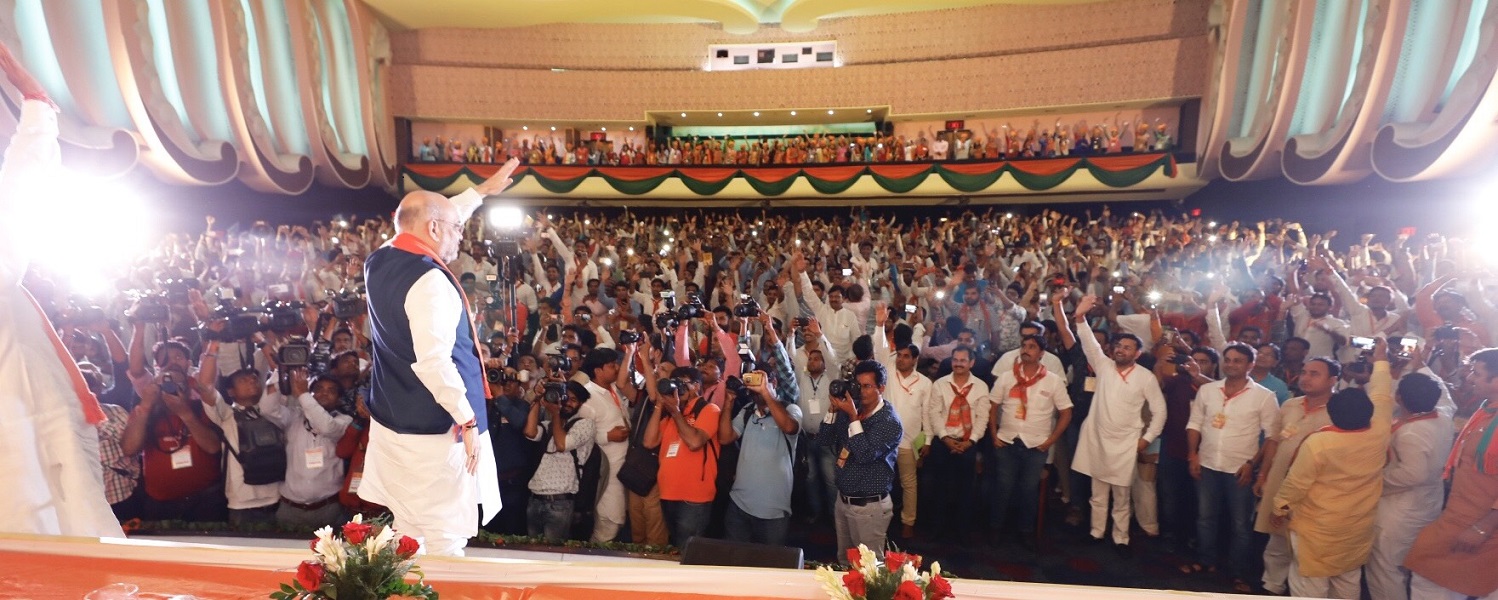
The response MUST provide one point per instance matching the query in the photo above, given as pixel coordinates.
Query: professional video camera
(81, 312)
(176, 290)
(348, 303)
(748, 308)
(299, 353)
(239, 324)
(282, 317)
(150, 307)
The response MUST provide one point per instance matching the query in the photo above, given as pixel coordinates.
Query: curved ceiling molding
(1448, 138)
(312, 66)
(1270, 100)
(103, 151)
(169, 149)
(270, 168)
(1227, 26)
(1338, 153)
(372, 62)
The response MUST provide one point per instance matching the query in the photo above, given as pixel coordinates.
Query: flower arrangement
(897, 578)
(369, 560)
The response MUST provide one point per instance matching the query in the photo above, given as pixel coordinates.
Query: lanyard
(1124, 373)
(1226, 398)
(900, 379)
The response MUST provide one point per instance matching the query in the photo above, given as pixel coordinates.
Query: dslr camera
(747, 308)
(629, 336)
(693, 309)
(151, 308)
(667, 387)
(553, 392)
(558, 363)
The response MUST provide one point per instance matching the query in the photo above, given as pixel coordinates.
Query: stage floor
(44, 567)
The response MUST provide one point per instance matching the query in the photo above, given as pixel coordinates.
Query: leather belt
(553, 497)
(313, 506)
(863, 500)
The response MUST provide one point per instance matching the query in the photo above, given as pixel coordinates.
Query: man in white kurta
(433, 482)
(1413, 489)
(49, 455)
(1109, 443)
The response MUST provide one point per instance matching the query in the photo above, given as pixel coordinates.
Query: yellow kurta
(1333, 487)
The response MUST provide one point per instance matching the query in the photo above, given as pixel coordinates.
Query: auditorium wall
(936, 62)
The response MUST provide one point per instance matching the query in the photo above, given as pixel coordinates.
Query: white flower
(374, 544)
(330, 553)
(908, 573)
(358, 518)
(868, 561)
(832, 583)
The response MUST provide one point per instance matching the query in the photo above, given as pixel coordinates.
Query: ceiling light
(830, 111)
(553, 127)
(683, 115)
(793, 113)
(869, 110)
(604, 128)
(720, 114)
(756, 113)
(525, 127)
(631, 128)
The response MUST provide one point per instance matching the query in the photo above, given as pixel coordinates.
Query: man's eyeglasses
(457, 227)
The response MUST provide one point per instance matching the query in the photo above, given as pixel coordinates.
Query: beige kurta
(1331, 492)
(1295, 424)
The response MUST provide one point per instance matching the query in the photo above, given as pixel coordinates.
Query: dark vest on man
(397, 398)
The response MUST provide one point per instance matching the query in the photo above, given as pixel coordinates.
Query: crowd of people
(961, 145)
(1247, 392)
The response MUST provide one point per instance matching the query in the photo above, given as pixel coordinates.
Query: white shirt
(1043, 400)
(1322, 343)
(607, 411)
(939, 149)
(241, 495)
(908, 394)
(840, 326)
(815, 398)
(1006, 364)
(313, 470)
(1230, 427)
(939, 405)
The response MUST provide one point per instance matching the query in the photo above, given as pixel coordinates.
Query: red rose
(939, 588)
(407, 547)
(356, 532)
(909, 590)
(853, 557)
(853, 580)
(894, 560)
(309, 575)
(314, 545)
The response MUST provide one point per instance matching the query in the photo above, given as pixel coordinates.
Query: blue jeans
(550, 517)
(1215, 490)
(744, 527)
(821, 490)
(686, 520)
(1018, 471)
(1177, 493)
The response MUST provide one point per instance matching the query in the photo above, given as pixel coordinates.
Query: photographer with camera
(515, 456)
(567, 439)
(767, 429)
(864, 433)
(313, 418)
(685, 429)
(181, 462)
(255, 442)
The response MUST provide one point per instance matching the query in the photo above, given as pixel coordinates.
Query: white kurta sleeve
(433, 307)
(466, 203)
(32, 154)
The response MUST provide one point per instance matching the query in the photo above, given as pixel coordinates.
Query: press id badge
(1089, 384)
(182, 458)
(673, 449)
(1219, 421)
(313, 456)
(1288, 432)
(353, 483)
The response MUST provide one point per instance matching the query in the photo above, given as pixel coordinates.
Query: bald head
(433, 219)
(419, 207)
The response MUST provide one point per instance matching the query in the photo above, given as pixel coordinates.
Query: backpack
(262, 448)
(585, 501)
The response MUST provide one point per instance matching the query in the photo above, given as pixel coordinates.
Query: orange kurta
(1473, 494)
